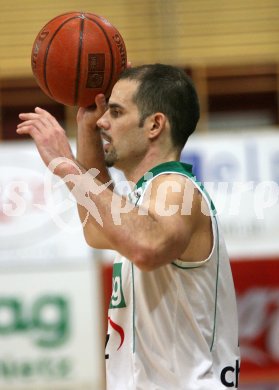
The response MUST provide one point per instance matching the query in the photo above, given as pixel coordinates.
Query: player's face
(124, 141)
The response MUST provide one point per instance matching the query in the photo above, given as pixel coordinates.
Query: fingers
(31, 126)
(25, 130)
(37, 122)
(101, 103)
(45, 114)
(40, 121)
(90, 115)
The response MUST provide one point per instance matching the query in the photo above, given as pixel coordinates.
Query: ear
(156, 124)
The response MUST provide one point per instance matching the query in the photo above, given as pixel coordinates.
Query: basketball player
(172, 320)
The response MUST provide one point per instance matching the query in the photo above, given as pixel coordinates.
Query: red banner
(257, 287)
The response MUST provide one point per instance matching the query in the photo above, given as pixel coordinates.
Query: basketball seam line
(47, 50)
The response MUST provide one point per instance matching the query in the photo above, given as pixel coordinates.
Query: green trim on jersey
(174, 167)
(134, 309)
(186, 267)
(216, 285)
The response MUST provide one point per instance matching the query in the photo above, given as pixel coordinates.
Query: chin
(109, 164)
(110, 159)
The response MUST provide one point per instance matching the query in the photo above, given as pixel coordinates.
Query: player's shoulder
(171, 176)
(174, 180)
(171, 189)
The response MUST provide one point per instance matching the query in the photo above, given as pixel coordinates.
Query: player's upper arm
(171, 200)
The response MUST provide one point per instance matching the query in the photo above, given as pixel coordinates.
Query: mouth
(105, 137)
(106, 140)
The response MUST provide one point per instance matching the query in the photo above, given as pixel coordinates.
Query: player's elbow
(91, 242)
(158, 253)
(95, 240)
(148, 258)
(144, 263)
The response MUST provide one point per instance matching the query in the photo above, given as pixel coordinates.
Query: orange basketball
(76, 56)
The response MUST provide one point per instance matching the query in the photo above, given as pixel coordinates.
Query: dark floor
(262, 386)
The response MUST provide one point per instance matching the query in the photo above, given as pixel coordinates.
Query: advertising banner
(51, 319)
(50, 330)
(241, 173)
(257, 287)
(38, 215)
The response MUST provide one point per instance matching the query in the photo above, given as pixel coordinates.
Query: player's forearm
(90, 152)
(92, 235)
(132, 231)
(90, 155)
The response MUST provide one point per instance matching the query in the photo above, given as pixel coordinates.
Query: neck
(134, 173)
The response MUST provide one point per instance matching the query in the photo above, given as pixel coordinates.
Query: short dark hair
(166, 89)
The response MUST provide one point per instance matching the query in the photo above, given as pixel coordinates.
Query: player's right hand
(88, 117)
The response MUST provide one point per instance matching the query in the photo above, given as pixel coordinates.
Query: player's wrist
(63, 166)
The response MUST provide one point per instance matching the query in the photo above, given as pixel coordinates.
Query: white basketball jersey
(174, 328)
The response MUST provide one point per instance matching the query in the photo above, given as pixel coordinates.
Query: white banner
(241, 173)
(51, 315)
(38, 217)
(50, 330)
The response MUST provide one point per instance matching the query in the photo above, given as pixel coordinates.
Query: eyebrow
(115, 105)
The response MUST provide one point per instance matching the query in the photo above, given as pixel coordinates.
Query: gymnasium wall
(179, 31)
(231, 49)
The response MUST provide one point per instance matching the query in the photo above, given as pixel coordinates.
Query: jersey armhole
(212, 211)
(196, 264)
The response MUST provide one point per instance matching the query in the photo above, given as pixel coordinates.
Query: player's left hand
(49, 136)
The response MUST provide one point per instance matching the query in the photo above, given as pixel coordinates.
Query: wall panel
(178, 31)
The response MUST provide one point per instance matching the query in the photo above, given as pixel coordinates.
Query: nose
(103, 122)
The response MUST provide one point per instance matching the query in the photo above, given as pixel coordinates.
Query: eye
(115, 112)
